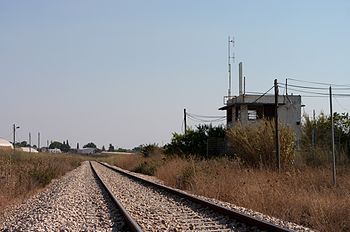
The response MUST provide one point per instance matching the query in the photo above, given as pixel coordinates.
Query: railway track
(148, 206)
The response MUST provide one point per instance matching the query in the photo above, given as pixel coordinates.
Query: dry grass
(22, 174)
(134, 162)
(303, 196)
(254, 144)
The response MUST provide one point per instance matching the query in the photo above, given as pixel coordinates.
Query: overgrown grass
(302, 195)
(135, 162)
(21, 174)
(255, 144)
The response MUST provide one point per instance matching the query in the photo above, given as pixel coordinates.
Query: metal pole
(277, 139)
(229, 68)
(333, 149)
(14, 136)
(30, 143)
(185, 122)
(38, 140)
(313, 137)
(244, 85)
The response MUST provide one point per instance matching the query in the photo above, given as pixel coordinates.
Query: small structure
(87, 151)
(5, 145)
(246, 109)
(28, 149)
(55, 150)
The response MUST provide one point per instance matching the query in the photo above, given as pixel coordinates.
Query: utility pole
(14, 135)
(30, 143)
(277, 139)
(333, 149)
(39, 140)
(185, 122)
(313, 135)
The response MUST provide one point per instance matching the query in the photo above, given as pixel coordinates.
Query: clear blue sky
(121, 72)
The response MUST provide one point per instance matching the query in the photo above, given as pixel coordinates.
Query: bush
(254, 144)
(194, 141)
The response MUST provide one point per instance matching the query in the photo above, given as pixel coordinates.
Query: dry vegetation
(22, 174)
(303, 195)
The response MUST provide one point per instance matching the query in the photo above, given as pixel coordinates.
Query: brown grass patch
(22, 174)
(304, 196)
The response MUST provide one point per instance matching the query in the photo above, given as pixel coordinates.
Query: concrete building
(247, 109)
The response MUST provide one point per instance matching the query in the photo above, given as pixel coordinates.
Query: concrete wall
(289, 110)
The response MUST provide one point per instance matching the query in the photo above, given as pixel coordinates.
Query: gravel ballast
(285, 224)
(157, 210)
(75, 202)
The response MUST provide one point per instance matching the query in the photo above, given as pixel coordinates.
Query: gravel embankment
(74, 202)
(285, 224)
(156, 210)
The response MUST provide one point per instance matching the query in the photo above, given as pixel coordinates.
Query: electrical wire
(309, 87)
(317, 83)
(204, 116)
(204, 121)
(341, 106)
(318, 93)
(304, 91)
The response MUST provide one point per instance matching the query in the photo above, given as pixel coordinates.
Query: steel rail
(243, 218)
(131, 223)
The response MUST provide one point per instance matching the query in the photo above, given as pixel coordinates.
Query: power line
(341, 106)
(310, 87)
(304, 91)
(205, 116)
(318, 93)
(317, 83)
(204, 121)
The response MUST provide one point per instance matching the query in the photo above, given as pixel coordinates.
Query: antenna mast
(230, 41)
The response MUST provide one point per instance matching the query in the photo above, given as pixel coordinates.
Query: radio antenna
(231, 42)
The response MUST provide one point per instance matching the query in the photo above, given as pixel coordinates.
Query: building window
(252, 116)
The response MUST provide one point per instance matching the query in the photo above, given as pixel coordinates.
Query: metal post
(39, 140)
(332, 125)
(14, 136)
(313, 135)
(30, 143)
(229, 68)
(286, 87)
(277, 139)
(185, 122)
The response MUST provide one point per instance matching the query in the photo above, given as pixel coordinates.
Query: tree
(194, 141)
(22, 144)
(89, 145)
(55, 145)
(103, 148)
(62, 146)
(111, 147)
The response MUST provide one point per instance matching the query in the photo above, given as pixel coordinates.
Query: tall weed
(254, 144)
